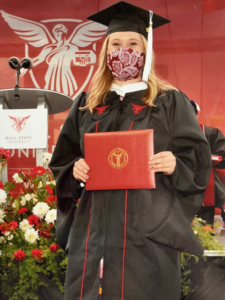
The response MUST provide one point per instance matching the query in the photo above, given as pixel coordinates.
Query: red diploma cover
(119, 160)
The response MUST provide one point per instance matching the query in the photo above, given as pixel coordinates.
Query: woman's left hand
(163, 162)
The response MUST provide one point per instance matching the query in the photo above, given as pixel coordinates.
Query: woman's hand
(163, 162)
(80, 170)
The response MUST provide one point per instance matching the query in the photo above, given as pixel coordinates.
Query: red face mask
(126, 64)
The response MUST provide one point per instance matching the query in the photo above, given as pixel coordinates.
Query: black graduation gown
(140, 236)
(216, 141)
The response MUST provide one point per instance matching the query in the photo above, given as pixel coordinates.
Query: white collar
(128, 88)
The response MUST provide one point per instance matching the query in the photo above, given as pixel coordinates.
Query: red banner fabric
(189, 52)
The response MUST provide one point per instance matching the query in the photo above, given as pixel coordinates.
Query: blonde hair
(103, 79)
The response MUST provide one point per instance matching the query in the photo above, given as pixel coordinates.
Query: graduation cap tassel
(148, 59)
(101, 265)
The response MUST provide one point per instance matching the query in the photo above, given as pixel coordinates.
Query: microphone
(26, 63)
(14, 63)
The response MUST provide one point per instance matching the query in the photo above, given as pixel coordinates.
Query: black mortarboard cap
(124, 16)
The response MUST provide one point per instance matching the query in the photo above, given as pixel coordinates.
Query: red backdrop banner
(190, 52)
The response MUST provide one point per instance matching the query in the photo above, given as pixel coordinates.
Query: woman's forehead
(125, 35)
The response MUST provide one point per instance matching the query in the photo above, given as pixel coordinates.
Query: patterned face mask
(126, 64)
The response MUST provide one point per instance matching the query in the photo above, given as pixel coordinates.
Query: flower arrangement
(206, 234)
(207, 237)
(5, 155)
(28, 248)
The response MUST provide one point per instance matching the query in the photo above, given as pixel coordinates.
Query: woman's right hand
(80, 170)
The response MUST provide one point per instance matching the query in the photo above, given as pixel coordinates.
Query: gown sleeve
(188, 145)
(217, 144)
(216, 140)
(66, 153)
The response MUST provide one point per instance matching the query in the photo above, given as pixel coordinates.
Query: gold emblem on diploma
(118, 158)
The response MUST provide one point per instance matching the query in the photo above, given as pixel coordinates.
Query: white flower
(46, 159)
(3, 196)
(28, 197)
(2, 215)
(24, 225)
(40, 185)
(17, 179)
(51, 182)
(14, 205)
(50, 216)
(34, 198)
(10, 237)
(31, 235)
(2, 239)
(47, 155)
(6, 233)
(40, 209)
(23, 201)
(1, 221)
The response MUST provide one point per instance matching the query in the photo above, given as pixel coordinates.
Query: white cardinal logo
(58, 52)
(19, 122)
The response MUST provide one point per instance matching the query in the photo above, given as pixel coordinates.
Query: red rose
(27, 173)
(33, 220)
(19, 255)
(39, 225)
(22, 210)
(5, 153)
(4, 227)
(50, 199)
(12, 225)
(54, 247)
(50, 225)
(1, 186)
(50, 190)
(45, 233)
(39, 170)
(36, 254)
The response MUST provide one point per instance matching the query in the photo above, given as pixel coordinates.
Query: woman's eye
(133, 44)
(116, 44)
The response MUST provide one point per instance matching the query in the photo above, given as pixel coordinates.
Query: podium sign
(23, 128)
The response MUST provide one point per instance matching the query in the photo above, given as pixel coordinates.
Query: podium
(39, 102)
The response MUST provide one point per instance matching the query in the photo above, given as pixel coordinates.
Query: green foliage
(185, 265)
(20, 277)
(9, 186)
(206, 236)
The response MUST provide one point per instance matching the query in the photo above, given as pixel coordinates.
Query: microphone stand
(17, 84)
(17, 78)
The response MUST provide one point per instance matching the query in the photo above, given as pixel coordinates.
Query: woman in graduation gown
(216, 141)
(125, 244)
